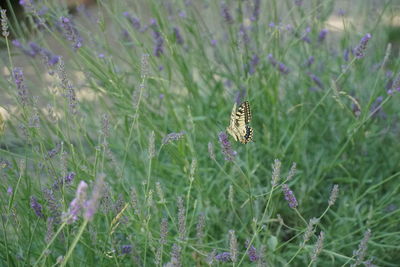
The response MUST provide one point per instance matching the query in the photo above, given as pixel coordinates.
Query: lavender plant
(121, 158)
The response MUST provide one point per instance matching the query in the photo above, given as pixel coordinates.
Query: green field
(113, 142)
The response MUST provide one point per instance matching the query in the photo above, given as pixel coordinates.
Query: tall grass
(111, 150)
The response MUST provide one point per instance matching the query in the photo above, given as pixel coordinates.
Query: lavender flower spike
(93, 203)
(278, 65)
(158, 43)
(252, 252)
(178, 36)
(70, 32)
(360, 49)
(19, 82)
(322, 35)
(37, 208)
(226, 14)
(226, 146)
(76, 204)
(224, 257)
(289, 196)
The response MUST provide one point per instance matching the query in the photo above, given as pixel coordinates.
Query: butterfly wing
(232, 128)
(248, 136)
(244, 112)
(238, 127)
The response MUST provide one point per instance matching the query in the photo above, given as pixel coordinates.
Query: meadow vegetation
(113, 150)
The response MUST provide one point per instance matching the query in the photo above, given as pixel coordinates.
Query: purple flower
(243, 34)
(240, 95)
(19, 82)
(289, 196)
(256, 10)
(178, 36)
(37, 208)
(346, 54)
(226, 146)
(322, 35)
(16, 43)
(76, 204)
(278, 65)
(341, 12)
(213, 42)
(126, 249)
(298, 2)
(9, 190)
(376, 108)
(182, 14)
(93, 203)
(360, 49)
(253, 64)
(71, 33)
(53, 206)
(252, 252)
(305, 37)
(316, 80)
(309, 61)
(226, 14)
(35, 48)
(224, 257)
(135, 22)
(69, 177)
(173, 137)
(396, 83)
(158, 43)
(361, 252)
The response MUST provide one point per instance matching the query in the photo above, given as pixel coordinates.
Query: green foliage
(125, 86)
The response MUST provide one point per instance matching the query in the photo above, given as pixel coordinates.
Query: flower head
(37, 208)
(19, 82)
(226, 14)
(71, 32)
(226, 146)
(252, 252)
(360, 49)
(289, 196)
(224, 257)
(322, 35)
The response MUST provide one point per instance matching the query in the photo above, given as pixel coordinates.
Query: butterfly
(238, 126)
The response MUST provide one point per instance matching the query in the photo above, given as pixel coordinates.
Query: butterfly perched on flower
(238, 126)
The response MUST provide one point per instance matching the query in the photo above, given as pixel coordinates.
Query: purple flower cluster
(226, 14)
(395, 86)
(226, 146)
(178, 36)
(173, 137)
(244, 35)
(252, 252)
(76, 204)
(289, 196)
(71, 32)
(93, 202)
(126, 249)
(253, 64)
(360, 49)
(135, 22)
(278, 65)
(316, 80)
(309, 61)
(158, 40)
(18, 76)
(224, 257)
(37, 208)
(322, 35)
(256, 10)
